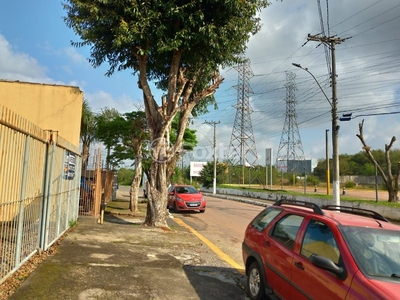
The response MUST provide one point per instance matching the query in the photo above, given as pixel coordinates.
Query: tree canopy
(179, 46)
(359, 164)
(210, 33)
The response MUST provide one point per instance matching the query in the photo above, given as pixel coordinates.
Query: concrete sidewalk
(120, 259)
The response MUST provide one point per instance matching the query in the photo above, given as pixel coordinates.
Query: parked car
(186, 198)
(299, 250)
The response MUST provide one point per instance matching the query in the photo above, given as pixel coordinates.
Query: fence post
(47, 193)
(21, 203)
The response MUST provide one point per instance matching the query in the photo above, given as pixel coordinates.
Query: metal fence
(39, 189)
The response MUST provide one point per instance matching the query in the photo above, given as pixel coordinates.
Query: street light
(306, 69)
(215, 155)
(335, 129)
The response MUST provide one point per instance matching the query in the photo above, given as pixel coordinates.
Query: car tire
(175, 208)
(255, 284)
(202, 210)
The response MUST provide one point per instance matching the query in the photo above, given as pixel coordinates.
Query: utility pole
(328, 180)
(332, 41)
(215, 155)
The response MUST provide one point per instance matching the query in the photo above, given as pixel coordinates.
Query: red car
(186, 198)
(299, 250)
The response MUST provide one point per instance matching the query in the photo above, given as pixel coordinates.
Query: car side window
(264, 218)
(285, 230)
(319, 240)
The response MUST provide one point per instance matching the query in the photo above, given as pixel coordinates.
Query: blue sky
(35, 47)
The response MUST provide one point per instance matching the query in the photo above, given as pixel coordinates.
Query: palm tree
(88, 132)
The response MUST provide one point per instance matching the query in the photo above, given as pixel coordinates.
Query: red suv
(299, 250)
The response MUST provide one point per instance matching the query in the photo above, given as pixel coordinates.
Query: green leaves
(214, 31)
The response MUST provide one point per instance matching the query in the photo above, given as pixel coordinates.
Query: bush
(350, 184)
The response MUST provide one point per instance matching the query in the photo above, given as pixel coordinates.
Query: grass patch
(117, 205)
(72, 223)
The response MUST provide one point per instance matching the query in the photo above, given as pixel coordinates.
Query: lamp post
(335, 129)
(215, 156)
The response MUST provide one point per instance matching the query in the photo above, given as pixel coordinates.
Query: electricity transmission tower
(242, 147)
(290, 154)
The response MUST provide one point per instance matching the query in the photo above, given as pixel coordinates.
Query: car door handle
(267, 243)
(299, 265)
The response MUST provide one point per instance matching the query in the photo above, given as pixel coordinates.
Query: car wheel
(255, 285)
(202, 210)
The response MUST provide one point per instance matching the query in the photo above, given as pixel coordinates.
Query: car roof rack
(356, 211)
(315, 207)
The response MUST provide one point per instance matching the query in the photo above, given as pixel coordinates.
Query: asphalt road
(223, 223)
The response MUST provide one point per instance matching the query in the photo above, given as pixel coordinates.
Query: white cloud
(19, 66)
(76, 57)
(101, 99)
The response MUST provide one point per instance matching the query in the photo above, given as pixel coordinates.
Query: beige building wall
(51, 107)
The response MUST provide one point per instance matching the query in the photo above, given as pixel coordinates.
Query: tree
(88, 133)
(129, 134)
(178, 45)
(207, 173)
(125, 176)
(390, 180)
(104, 135)
(129, 141)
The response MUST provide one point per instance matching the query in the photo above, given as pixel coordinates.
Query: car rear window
(265, 217)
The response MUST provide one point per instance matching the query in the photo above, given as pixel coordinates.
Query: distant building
(297, 166)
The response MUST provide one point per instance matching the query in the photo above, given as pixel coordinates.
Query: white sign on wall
(196, 167)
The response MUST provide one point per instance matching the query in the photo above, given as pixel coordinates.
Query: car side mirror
(328, 265)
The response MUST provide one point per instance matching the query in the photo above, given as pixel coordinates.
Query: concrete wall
(370, 180)
(51, 107)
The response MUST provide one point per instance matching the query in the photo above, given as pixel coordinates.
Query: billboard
(196, 167)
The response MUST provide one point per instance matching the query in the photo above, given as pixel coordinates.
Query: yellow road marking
(213, 247)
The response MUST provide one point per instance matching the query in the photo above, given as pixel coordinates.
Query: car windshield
(186, 190)
(376, 251)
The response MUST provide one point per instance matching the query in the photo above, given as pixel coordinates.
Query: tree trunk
(134, 194)
(392, 195)
(179, 99)
(157, 196)
(85, 158)
(390, 180)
